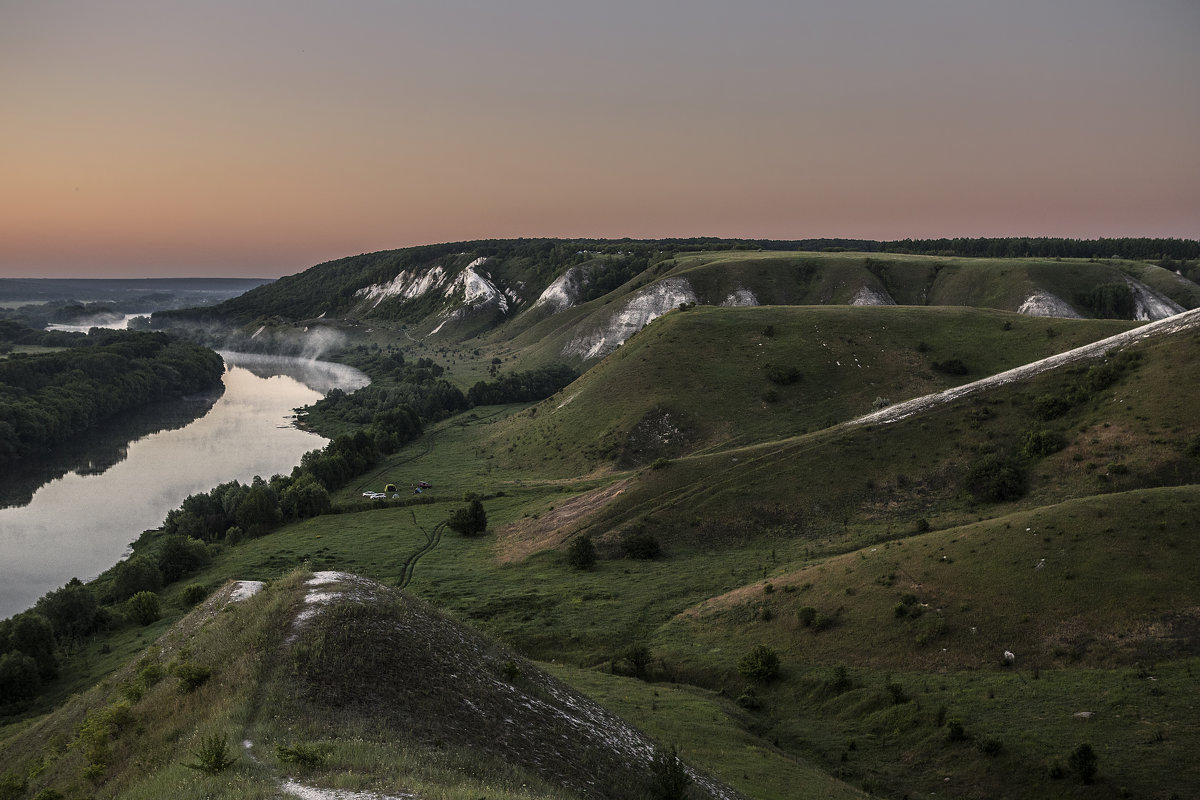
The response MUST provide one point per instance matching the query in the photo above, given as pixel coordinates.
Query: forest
(46, 398)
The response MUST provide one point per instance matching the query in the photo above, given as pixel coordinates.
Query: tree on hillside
(470, 520)
(670, 781)
(18, 677)
(581, 554)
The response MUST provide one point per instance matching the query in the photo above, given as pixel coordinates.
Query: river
(80, 523)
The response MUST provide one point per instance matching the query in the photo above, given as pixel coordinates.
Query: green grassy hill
(331, 680)
(713, 378)
(714, 462)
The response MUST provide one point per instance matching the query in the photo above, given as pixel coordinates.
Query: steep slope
(333, 672)
(1120, 409)
(776, 371)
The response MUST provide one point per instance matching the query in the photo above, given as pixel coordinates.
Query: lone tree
(581, 554)
(670, 778)
(470, 520)
(1083, 762)
(760, 664)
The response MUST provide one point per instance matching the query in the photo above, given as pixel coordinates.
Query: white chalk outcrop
(639, 311)
(565, 291)
(1149, 305)
(740, 298)
(868, 296)
(407, 285)
(478, 291)
(1044, 304)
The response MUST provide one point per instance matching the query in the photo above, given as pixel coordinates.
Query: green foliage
(522, 387)
(30, 633)
(19, 678)
(896, 693)
(144, 608)
(179, 556)
(470, 520)
(99, 728)
(641, 545)
(953, 366)
(807, 615)
(306, 755)
(660, 463)
(191, 676)
(581, 553)
(1050, 406)
(306, 498)
(1040, 443)
(670, 779)
(955, 731)
(996, 478)
(71, 610)
(1111, 301)
(149, 675)
(48, 398)
(12, 786)
(1083, 762)
(782, 376)
(135, 574)
(212, 755)
(760, 664)
(639, 658)
(192, 594)
(989, 746)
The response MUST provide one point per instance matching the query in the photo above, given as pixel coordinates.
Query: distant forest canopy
(331, 287)
(46, 398)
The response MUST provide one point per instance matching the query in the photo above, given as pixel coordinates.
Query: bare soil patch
(525, 537)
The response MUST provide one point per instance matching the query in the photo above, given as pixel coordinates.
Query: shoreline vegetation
(47, 398)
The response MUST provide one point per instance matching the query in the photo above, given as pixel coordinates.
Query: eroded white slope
(638, 311)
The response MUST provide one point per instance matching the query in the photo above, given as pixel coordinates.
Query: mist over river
(78, 525)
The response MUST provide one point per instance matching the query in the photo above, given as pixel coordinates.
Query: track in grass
(431, 541)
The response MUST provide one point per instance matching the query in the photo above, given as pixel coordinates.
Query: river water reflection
(81, 523)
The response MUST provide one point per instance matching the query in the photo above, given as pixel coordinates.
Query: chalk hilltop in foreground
(331, 685)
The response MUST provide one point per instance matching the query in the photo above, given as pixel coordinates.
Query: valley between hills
(809, 520)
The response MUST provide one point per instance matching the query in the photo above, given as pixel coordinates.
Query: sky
(257, 138)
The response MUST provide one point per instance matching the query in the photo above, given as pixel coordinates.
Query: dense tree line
(14, 332)
(522, 387)
(49, 397)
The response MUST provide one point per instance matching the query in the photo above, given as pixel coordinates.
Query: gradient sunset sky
(260, 137)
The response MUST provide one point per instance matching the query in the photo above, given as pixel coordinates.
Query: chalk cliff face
(1044, 304)
(1149, 304)
(406, 285)
(740, 298)
(565, 291)
(638, 311)
(866, 296)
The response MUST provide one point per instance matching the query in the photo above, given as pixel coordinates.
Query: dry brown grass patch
(525, 537)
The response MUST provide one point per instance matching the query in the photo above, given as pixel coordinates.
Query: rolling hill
(826, 493)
